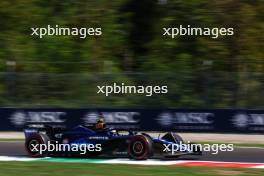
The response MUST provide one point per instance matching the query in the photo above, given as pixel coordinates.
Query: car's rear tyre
(140, 147)
(33, 143)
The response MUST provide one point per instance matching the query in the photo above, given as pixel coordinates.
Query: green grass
(76, 169)
(249, 145)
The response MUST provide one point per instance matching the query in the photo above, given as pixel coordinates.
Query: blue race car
(46, 140)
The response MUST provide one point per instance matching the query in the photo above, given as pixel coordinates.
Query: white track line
(11, 158)
(146, 162)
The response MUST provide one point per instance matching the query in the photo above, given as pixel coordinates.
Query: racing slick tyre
(33, 143)
(140, 147)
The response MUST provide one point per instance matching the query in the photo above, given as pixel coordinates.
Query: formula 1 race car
(109, 142)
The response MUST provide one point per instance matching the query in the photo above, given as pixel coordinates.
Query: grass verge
(70, 169)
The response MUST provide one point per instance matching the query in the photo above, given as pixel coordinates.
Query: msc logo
(169, 118)
(19, 118)
(240, 120)
(112, 117)
(243, 120)
(165, 119)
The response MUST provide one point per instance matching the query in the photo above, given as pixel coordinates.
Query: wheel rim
(138, 147)
(31, 147)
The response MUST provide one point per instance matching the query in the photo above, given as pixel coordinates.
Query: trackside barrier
(180, 120)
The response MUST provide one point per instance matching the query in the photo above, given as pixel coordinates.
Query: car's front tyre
(140, 147)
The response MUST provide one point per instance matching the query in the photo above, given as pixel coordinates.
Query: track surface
(238, 155)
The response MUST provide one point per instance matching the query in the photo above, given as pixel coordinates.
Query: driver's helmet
(100, 124)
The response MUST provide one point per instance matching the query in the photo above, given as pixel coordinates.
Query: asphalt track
(241, 154)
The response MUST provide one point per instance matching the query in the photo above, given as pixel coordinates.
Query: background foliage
(200, 72)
